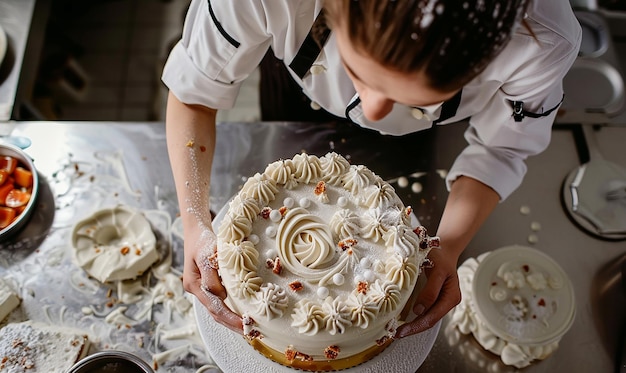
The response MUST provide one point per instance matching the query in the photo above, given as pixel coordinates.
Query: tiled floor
(122, 46)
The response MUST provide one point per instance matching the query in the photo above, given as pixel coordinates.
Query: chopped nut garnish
(382, 341)
(254, 334)
(269, 263)
(265, 212)
(434, 242)
(278, 268)
(320, 188)
(296, 286)
(347, 243)
(361, 287)
(248, 320)
(138, 252)
(283, 210)
(420, 230)
(125, 250)
(332, 352)
(290, 353)
(189, 144)
(303, 357)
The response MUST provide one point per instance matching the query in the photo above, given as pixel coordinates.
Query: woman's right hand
(190, 132)
(201, 278)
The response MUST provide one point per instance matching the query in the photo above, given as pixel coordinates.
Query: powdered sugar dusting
(33, 347)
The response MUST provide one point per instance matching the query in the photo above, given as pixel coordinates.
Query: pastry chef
(394, 66)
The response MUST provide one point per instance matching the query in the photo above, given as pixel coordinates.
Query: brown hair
(451, 41)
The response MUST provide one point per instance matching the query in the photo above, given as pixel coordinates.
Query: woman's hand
(440, 294)
(200, 276)
(470, 202)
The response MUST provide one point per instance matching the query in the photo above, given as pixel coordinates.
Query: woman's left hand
(440, 294)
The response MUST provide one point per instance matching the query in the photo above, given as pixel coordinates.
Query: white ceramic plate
(521, 313)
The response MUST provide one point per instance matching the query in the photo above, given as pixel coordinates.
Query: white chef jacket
(224, 41)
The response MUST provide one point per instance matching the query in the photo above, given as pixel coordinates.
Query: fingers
(201, 279)
(212, 282)
(440, 294)
(430, 293)
(220, 311)
(424, 322)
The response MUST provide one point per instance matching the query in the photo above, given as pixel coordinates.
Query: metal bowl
(25, 161)
(111, 362)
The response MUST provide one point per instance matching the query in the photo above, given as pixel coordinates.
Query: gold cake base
(319, 365)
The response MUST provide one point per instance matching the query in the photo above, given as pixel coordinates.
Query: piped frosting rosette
(320, 257)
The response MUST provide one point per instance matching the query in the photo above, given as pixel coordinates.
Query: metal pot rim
(97, 359)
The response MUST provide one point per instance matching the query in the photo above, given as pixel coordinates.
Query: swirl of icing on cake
(282, 172)
(240, 256)
(261, 188)
(372, 225)
(271, 301)
(246, 207)
(248, 283)
(235, 228)
(402, 240)
(337, 315)
(333, 167)
(386, 295)
(401, 271)
(304, 240)
(362, 310)
(345, 223)
(379, 194)
(357, 178)
(308, 168)
(308, 317)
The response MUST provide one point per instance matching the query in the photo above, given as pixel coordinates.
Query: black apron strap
(449, 107)
(311, 47)
(519, 113)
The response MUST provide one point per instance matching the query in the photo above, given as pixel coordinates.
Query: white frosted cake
(320, 258)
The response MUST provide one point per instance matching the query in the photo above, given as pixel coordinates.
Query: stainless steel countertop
(246, 148)
(15, 19)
